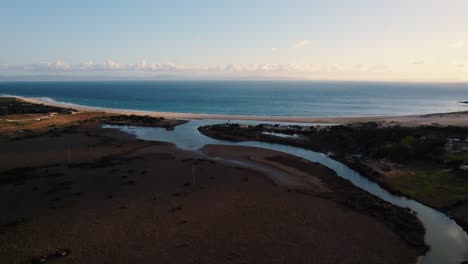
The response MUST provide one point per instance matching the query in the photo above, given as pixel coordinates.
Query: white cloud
(55, 66)
(58, 65)
(301, 44)
(274, 49)
(110, 64)
(143, 66)
(89, 64)
(111, 69)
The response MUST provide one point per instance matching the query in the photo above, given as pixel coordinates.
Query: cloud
(89, 64)
(301, 44)
(274, 49)
(55, 66)
(111, 69)
(58, 65)
(144, 67)
(110, 64)
(457, 44)
(273, 68)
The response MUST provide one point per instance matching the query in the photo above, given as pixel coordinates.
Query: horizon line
(235, 80)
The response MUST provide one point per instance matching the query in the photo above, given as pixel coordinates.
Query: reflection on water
(448, 242)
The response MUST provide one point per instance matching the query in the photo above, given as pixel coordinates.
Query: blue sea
(259, 98)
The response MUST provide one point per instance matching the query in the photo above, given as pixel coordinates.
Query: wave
(50, 100)
(46, 99)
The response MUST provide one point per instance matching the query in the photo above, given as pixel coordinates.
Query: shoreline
(442, 119)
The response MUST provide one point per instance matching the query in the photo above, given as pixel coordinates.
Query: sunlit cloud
(113, 69)
(58, 65)
(143, 66)
(301, 44)
(87, 64)
(112, 64)
(274, 49)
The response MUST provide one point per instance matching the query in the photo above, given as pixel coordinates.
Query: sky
(383, 40)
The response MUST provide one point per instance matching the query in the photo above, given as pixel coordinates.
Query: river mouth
(448, 241)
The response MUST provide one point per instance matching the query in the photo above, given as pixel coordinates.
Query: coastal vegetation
(427, 163)
(14, 106)
(141, 120)
(25, 120)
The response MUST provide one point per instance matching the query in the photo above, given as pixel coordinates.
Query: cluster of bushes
(399, 144)
(146, 120)
(395, 143)
(457, 158)
(13, 106)
(231, 131)
(412, 148)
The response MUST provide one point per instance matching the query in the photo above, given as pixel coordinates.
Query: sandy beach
(442, 119)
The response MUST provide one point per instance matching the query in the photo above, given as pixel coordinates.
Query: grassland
(440, 187)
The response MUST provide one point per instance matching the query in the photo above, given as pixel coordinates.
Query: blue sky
(420, 40)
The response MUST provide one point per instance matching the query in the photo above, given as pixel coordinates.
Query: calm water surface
(261, 98)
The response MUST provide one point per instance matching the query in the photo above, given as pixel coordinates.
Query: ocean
(257, 98)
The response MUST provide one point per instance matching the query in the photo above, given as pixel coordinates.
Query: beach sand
(110, 198)
(443, 119)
